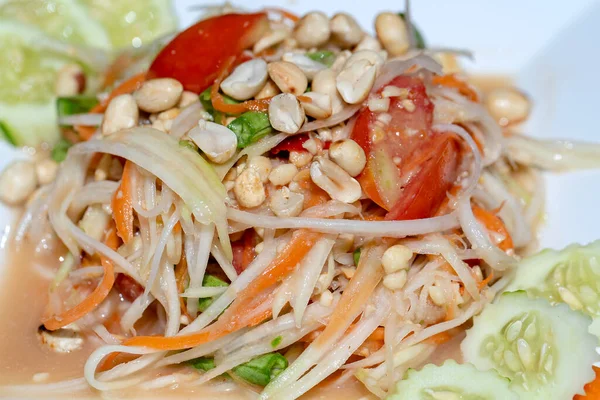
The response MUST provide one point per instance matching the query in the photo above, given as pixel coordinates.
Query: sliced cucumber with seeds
(452, 381)
(571, 275)
(134, 22)
(29, 65)
(544, 350)
(65, 20)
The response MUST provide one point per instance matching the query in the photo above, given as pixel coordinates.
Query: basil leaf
(258, 371)
(203, 363)
(420, 40)
(250, 127)
(261, 370)
(324, 57)
(74, 105)
(209, 281)
(207, 103)
(60, 149)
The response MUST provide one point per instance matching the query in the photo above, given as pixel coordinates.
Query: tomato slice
(195, 56)
(243, 250)
(294, 143)
(409, 167)
(427, 190)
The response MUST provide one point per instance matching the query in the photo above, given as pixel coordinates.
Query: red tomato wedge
(409, 167)
(427, 190)
(295, 143)
(243, 250)
(196, 55)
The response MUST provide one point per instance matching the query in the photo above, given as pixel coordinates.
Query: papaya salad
(281, 204)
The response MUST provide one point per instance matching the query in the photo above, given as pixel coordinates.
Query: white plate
(549, 46)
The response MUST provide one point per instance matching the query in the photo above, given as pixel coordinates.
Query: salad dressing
(23, 299)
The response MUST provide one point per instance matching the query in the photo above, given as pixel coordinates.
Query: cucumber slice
(571, 275)
(134, 22)
(29, 65)
(62, 19)
(544, 350)
(452, 381)
(31, 124)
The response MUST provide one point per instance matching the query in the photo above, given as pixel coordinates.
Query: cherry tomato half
(243, 250)
(409, 167)
(295, 143)
(195, 56)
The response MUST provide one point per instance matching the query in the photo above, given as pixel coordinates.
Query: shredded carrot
(368, 347)
(450, 312)
(493, 223)
(180, 275)
(283, 13)
(283, 265)
(304, 99)
(452, 81)
(439, 338)
(313, 195)
(177, 227)
(378, 334)
(113, 359)
(354, 297)
(267, 52)
(128, 86)
(95, 298)
(85, 132)
(218, 102)
(122, 205)
(373, 217)
(446, 267)
(485, 282)
(592, 389)
(249, 307)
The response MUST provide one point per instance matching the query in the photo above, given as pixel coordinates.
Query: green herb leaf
(75, 105)
(207, 103)
(213, 281)
(250, 127)
(7, 134)
(324, 57)
(420, 40)
(209, 281)
(203, 363)
(356, 256)
(275, 342)
(261, 370)
(60, 149)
